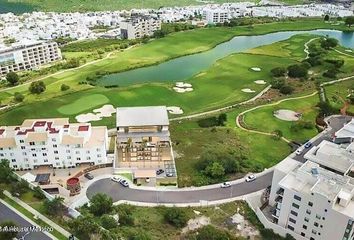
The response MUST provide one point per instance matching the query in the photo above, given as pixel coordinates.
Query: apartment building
(53, 142)
(143, 139)
(345, 134)
(139, 26)
(315, 200)
(28, 57)
(213, 16)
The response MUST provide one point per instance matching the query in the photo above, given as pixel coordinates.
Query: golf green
(83, 103)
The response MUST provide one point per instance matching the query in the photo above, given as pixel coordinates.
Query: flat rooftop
(142, 116)
(346, 131)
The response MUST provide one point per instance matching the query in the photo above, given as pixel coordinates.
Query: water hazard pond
(185, 67)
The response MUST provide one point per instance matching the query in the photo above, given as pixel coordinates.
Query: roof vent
(314, 171)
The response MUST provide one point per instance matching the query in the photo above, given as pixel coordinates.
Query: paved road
(8, 214)
(117, 192)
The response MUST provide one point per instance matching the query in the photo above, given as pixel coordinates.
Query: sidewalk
(25, 218)
(39, 215)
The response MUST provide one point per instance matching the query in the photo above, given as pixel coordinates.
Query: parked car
(115, 179)
(308, 144)
(225, 185)
(299, 151)
(250, 178)
(169, 174)
(147, 180)
(124, 183)
(159, 171)
(89, 176)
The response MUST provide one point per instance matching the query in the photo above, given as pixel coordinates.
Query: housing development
(181, 120)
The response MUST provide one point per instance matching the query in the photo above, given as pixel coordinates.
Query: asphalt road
(117, 192)
(8, 214)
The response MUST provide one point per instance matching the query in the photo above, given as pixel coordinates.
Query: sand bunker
(348, 50)
(261, 82)
(182, 87)
(247, 90)
(99, 113)
(287, 115)
(175, 110)
(256, 69)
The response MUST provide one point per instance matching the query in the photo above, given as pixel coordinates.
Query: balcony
(280, 192)
(279, 199)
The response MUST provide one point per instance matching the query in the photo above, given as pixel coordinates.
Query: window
(318, 216)
(31, 143)
(306, 219)
(78, 159)
(44, 154)
(308, 211)
(325, 210)
(67, 151)
(304, 226)
(55, 152)
(316, 224)
(24, 154)
(34, 155)
(88, 158)
(54, 140)
(295, 205)
(314, 231)
(45, 160)
(14, 166)
(13, 160)
(311, 238)
(88, 152)
(23, 147)
(56, 158)
(291, 228)
(297, 198)
(302, 234)
(54, 146)
(292, 220)
(77, 152)
(310, 204)
(21, 141)
(98, 155)
(43, 148)
(68, 157)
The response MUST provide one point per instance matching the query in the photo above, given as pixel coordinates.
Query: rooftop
(346, 131)
(142, 116)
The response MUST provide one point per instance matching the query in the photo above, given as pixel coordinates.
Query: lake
(182, 68)
(15, 7)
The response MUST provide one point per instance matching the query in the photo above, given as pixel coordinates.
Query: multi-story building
(139, 26)
(54, 143)
(345, 134)
(28, 57)
(214, 16)
(143, 139)
(315, 200)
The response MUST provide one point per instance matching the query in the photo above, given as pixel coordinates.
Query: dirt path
(306, 45)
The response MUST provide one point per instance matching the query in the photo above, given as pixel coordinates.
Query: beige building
(143, 141)
(139, 26)
(53, 142)
(28, 57)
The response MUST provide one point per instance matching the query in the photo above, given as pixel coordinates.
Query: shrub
(277, 83)
(64, 87)
(176, 217)
(38, 193)
(108, 222)
(37, 87)
(329, 43)
(278, 72)
(12, 78)
(101, 204)
(125, 215)
(286, 89)
(19, 97)
(297, 71)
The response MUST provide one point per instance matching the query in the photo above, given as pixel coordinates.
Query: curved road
(117, 192)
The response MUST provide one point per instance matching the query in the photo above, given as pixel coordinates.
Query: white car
(225, 185)
(115, 179)
(250, 178)
(299, 151)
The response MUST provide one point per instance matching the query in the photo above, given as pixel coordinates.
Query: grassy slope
(91, 5)
(334, 92)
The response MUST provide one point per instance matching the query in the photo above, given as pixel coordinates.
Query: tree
(37, 87)
(38, 193)
(215, 170)
(349, 21)
(125, 215)
(176, 217)
(329, 43)
(19, 187)
(6, 172)
(19, 97)
(100, 204)
(222, 118)
(297, 71)
(278, 72)
(64, 87)
(8, 234)
(55, 206)
(277, 83)
(12, 78)
(84, 226)
(326, 18)
(108, 222)
(209, 232)
(286, 89)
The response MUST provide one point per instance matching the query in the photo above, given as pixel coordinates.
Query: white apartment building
(315, 200)
(54, 143)
(213, 16)
(139, 26)
(28, 57)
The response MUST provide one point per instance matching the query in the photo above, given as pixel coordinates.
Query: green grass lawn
(109, 5)
(83, 103)
(338, 92)
(262, 119)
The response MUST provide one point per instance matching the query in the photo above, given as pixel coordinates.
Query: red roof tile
(39, 123)
(83, 128)
(2, 131)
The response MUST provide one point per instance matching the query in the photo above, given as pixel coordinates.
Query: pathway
(340, 52)
(306, 49)
(38, 214)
